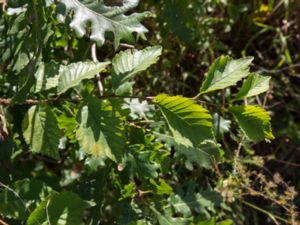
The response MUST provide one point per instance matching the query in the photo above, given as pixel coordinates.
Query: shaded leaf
(140, 165)
(254, 121)
(203, 202)
(202, 155)
(225, 72)
(168, 219)
(64, 208)
(41, 132)
(254, 85)
(100, 131)
(47, 76)
(103, 19)
(21, 197)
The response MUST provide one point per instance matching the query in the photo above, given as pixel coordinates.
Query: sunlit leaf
(254, 121)
(130, 62)
(190, 123)
(225, 72)
(103, 19)
(73, 74)
(254, 85)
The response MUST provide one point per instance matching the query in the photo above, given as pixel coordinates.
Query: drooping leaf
(21, 197)
(64, 208)
(103, 19)
(100, 131)
(128, 63)
(254, 85)
(202, 155)
(225, 72)
(254, 121)
(190, 123)
(41, 132)
(73, 74)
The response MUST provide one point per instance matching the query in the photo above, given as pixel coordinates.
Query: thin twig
(270, 215)
(237, 156)
(3, 2)
(98, 76)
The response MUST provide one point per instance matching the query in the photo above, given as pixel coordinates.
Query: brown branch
(3, 223)
(8, 101)
(3, 2)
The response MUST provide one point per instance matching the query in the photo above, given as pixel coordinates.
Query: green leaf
(254, 121)
(254, 85)
(177, 20)
(190, 123)
(168, 219)
(71, 75)
(201, 155)
(203, 202)
(225, 72)
(100, 133)
(103, 19)
(163, 188)
(47, 76)
(138, 164)
(41, 131)
(128, 63)
(179, 205)
(22, 197)
(64, 208)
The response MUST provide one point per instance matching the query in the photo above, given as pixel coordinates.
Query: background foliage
(84, 142)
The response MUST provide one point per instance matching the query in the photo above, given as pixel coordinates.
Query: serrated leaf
(254, 85)
(41, 132)
(71, 75)
(128, 63)
(103, 19)
(190, 123)
(47, 76)
(202, 155)
(21, 197)
(254, 121)
(225, 72)
(100, 131)
(64, 208)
